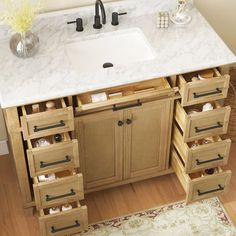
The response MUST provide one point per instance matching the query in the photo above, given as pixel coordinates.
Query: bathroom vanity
(150, 123)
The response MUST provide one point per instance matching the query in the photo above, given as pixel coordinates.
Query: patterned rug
(204, 218)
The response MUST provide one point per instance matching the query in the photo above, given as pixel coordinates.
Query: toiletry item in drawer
(194, 91)
(202, 124)
(201, 154)
(63, 223)
(48, 120)
(68, 186)
(57, 156)
(196, 185)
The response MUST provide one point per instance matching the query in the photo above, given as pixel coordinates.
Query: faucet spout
(97, 21)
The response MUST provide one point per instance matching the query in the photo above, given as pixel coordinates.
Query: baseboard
(4, 148)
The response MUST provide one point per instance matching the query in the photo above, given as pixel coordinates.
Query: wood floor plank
(102, 205)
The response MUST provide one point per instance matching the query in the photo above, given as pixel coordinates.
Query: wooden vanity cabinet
(100, 145)
(146, 138)
(122, 145)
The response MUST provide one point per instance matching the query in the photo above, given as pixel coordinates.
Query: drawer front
(59, 191)
(203, 156)
(200, 187)
(64, 223)
(207, 187)
(207, 123)
(47, 123)
(205, 91)
(53, 158)
(209, 155)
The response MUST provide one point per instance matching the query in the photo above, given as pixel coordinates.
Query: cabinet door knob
(129, 121)
(120, 123)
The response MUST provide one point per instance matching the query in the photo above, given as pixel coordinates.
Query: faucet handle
(79, 24)
(115, 17)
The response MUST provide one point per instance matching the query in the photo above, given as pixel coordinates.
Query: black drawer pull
(211, 191)
(51, 198)
(44, 165)
(138, 104)
(217, 91)
(219, 158)
(218, 125)
(60, 124)
(54, 230)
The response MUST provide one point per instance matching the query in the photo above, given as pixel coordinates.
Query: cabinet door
(100, 147)
(147, 138)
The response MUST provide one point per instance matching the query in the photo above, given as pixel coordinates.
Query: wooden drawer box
(203, 156)
(127, 96)
(68, 186)
(202, 124)
(43, 123)
(63, 223)
(53, 158)
(203, 90)
(197, 187)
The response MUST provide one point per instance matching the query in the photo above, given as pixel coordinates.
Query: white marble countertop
(49, 74)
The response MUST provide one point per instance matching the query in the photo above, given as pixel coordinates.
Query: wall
(221, 14)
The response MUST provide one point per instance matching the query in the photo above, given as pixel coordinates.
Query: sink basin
(114, 49)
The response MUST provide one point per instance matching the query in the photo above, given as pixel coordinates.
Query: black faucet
(97, 20)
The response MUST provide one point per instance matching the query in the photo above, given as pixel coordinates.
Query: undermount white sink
(122, 47)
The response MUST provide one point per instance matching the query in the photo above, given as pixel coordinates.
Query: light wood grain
(17, 150)
(188, 88)
(202, 120)
(51, 154)
(104, 204)
(150, 122)
(62, 220)
(196, 183)
(202, 153)
(57, 188)
(47, 119)
(101, 147)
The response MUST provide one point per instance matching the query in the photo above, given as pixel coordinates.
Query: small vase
(24, 45)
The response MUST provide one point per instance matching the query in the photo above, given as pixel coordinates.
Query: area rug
(204, 218)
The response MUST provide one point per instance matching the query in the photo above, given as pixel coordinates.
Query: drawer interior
(58, 175)
(51, 139)
(42, 106)
(118, 92)
(188, 77)
(45, 211)
(199, 107)
(123, 94)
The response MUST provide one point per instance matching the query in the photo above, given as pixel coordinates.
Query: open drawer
(64, 222)
(200, 124)
(198, 187)
(46, 122)
(124, 96)
(204, 155)
(68, 186)
(55, 157)
(198, 91)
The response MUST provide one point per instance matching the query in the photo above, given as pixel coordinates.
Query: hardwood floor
(104, 204)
